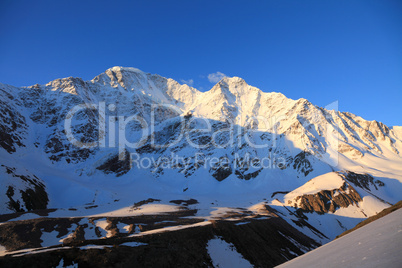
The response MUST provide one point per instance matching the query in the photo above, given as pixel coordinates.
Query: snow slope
(328, 181)
(225, 255)
(377, 244)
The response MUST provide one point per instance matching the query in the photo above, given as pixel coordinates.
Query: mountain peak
(127, 69)
(233, 80)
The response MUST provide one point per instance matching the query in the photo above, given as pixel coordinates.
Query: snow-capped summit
(124, 69)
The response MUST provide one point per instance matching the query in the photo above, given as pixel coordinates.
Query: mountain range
(130, 160)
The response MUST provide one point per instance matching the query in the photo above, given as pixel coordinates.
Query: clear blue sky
(350, 51)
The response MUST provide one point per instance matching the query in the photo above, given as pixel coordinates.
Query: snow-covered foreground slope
(377, 244)
(225, 255)
(128, 144)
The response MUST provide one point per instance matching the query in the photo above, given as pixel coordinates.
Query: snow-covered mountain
(95, 148)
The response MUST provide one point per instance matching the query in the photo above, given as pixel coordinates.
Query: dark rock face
(58, 146)
(13, 204)
(77, 236)
(144, 202)
(35, 198)
(222, 173)
(30, 195)
(302, 164)
(246, 167)
(184, 202)
(49, 108)
(247, 176)
(328, 200)
(12, 124)
(114, 165)
(364, 181)
(222, 170)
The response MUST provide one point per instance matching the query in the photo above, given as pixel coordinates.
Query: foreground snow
(377, 244)
(224, 254)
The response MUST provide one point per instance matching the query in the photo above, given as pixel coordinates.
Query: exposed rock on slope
(264, 242)
(13, 127)
(331, 191)
(328, 200)
(302, 164)
(21, 191)
(117, 166)
(364, 181)
(325, 193)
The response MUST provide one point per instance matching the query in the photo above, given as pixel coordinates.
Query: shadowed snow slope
(377, 244)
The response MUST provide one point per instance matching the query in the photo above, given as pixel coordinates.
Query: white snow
(123, 228)
(377, 244)
(61, 264)
(95, 247)
(260, 209)
(27, 251)
(172, 228)
(49, 238)
(103, 224)
(242, 223)
(225, 255)
(368, 207)
(133, 244)
(128, 244)
(222, 212)
(328, 181)
(2, 251)
(131, 69)
(147, 209)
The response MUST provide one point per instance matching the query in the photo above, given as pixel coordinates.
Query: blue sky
(323, 51)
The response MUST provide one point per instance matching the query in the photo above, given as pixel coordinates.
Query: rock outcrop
(328, 200)
(364, 181)
(22, 191)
